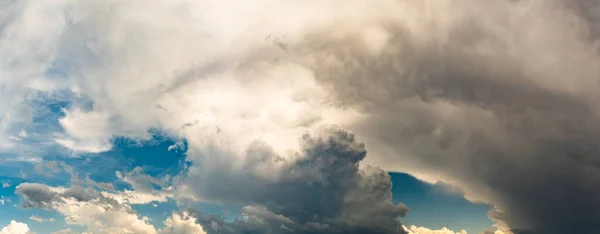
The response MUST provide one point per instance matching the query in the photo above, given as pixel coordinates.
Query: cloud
(181, 224)
(15, 228)
(48, 168)
(100, 185)
(484, 95)
(98, 212)
(466, 97)
(22, 76)
(145, 188)
(488, 231)
(321, 190)
(101, 208)
(94, 138)
(5, 184)
(423, 230)
(85, 206)
(40, 219)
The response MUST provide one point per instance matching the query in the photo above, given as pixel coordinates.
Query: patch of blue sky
(158, 212)
(153, 156)
(434, 206)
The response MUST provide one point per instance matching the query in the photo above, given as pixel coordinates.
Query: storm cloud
(501, 103)
(322, 190)
(497, 98)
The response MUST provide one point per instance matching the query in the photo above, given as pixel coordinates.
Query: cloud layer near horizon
(498, 98)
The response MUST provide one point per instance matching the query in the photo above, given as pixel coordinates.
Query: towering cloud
(320, 191)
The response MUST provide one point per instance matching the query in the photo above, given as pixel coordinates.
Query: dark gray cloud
(35, 195)
(322, 190)
(502, 103)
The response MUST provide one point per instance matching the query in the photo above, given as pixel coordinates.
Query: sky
(286, 116)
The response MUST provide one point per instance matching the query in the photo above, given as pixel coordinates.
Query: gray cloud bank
(504, 101)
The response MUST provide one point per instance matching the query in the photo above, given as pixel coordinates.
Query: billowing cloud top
(497, 98)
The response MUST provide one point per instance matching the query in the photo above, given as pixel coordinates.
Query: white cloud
(97, 212)
(423, 230)
(100, 219)
(40, 219)
(181, 224)
(177, 146)
(94, 137)
(15, 228)
(185, 65)
(29, 44)
(81, 206)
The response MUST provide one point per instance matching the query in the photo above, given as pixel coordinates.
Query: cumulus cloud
(321, 190)
(96, 211)
(181, 224)
(423, 230)
(101, 208)
(84, 206)
(484, 95)
(94, 138)
(15, 228)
